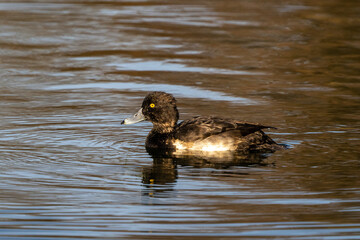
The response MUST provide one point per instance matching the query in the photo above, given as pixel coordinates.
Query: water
(72, 70)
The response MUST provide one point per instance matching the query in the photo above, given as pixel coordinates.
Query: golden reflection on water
(70, 71)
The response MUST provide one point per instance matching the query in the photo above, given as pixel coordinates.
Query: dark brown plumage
(198, 133)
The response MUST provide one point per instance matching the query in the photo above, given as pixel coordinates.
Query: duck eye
(152, 105)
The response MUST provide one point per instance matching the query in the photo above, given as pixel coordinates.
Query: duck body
(204, 134)
(212, 134)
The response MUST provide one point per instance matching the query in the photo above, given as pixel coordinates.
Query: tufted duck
(198, 133)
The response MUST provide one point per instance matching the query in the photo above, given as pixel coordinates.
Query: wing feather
(199, 128)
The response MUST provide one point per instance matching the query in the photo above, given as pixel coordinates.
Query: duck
(200, 133)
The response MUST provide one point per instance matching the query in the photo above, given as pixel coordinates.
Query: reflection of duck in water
(199, 134)
(160, 177)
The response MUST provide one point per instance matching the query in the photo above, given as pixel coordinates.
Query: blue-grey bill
(138, 117)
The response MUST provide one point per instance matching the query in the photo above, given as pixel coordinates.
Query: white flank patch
(202, 146)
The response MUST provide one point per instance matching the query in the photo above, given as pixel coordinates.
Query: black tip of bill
(138, 117)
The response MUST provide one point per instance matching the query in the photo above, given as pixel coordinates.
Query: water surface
(72, 70)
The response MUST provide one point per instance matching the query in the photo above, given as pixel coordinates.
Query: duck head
(158, 108)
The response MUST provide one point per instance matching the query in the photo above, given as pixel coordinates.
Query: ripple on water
(197, 16)
(141, 65)
(179, 90)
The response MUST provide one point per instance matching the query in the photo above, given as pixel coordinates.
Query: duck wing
(199, 128)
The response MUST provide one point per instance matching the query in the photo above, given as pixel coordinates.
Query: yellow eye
(152, 105)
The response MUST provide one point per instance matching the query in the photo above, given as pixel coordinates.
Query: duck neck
(160, 136)
(163, 128)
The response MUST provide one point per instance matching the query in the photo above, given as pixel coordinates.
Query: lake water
(71, 71)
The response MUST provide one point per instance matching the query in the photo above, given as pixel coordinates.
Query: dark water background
(70, 71)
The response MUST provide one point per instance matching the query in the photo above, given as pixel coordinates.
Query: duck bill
(138, 117)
